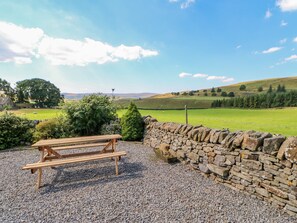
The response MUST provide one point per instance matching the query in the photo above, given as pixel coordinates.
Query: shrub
(15, 131)
(89, 114)
(242, 87)
(132, 124)
(53, 128)
(114, 127)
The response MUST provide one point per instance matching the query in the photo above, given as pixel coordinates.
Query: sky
(154, 46)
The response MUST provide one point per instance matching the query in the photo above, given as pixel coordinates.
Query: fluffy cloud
(187, 4)
(207, 77)
(287, 5)
(271, 50)
(20, 45)
(238, 47)
(183, 74)
(268, 14)
(295, 40)
(200, 75)
(81, 53)
(293, 57)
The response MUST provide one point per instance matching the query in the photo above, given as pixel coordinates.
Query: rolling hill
(199, 100)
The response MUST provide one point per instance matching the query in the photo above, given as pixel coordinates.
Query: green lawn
(278, 121)
(37, 114)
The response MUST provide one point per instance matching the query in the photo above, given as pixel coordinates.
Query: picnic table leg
(116, 166)
(40, 169)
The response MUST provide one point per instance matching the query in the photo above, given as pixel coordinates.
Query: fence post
(186, 110)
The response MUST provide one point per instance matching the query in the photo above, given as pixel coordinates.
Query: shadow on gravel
(66, 179)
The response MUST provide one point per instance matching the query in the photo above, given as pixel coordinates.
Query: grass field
(278, 121)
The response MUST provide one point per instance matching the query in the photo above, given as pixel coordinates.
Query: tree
(38, 91)
(242, 87)
(231, 94)
(219, 90)
(132, 124)
(88, 115)
(7, 89)
(224, 94)
(279, 88)
(260, 89)
(270, 90)
(213, 90)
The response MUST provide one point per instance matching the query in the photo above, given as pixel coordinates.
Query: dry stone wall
(260, 164)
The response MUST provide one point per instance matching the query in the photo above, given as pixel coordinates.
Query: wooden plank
(53, 152)
(39, 178)
(75, 140)
(74, 160)
(78, 154)
(79, 146)
(116, 165)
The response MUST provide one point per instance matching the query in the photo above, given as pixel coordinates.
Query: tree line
(36, 91)
(267, 100)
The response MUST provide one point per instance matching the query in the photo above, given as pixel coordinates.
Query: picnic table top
(75, 140)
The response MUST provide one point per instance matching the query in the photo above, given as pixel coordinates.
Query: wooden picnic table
(50, 155)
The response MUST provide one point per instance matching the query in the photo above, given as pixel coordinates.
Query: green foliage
(132, 124)
(114, 127)
(269, 100)
(219, 90)
(7, 89)
(38, 91)
(53, 129)
(270, 90)
(89, 114)
(224, 94)
(212, 90)
(242, 87)
(191, 93)
(260, 89)
(213, 94)
(231, 94)
(14, 131)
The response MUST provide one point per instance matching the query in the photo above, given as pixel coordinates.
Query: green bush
(15, 131)
(89, 114)
(53, 128)
(132, 124)
(114, 127)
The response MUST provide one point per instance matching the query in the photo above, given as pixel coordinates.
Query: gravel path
(147, 190)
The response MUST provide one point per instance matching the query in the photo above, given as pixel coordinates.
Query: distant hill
(251, 87)
(203, 98)
(78, 96)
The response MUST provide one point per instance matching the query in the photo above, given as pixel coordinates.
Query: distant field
(168, 103)
(37, 114)
(278, 121)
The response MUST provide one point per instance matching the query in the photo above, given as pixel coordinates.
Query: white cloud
(283, 23)
(228, 80)
(187, 4)
(283, 41)
(183, 74)
(216, 78)
(268, 14)
(295, 40)
(173, 1)
(271, 50)
(238, 47)
(287, 5)
(200, 75)
(18, 44)
(293, 57)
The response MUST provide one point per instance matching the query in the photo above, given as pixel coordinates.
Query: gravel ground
(147, 190)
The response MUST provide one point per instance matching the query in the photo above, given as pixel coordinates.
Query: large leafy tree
(43, 93)
(88, 115)
(6, 88)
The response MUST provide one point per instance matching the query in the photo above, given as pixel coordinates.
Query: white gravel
(147, 190)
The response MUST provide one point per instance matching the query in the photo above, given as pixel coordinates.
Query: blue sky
(147, 46)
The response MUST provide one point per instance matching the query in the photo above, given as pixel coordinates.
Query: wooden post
(116, 166)
(186, 110)
(39, 178)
